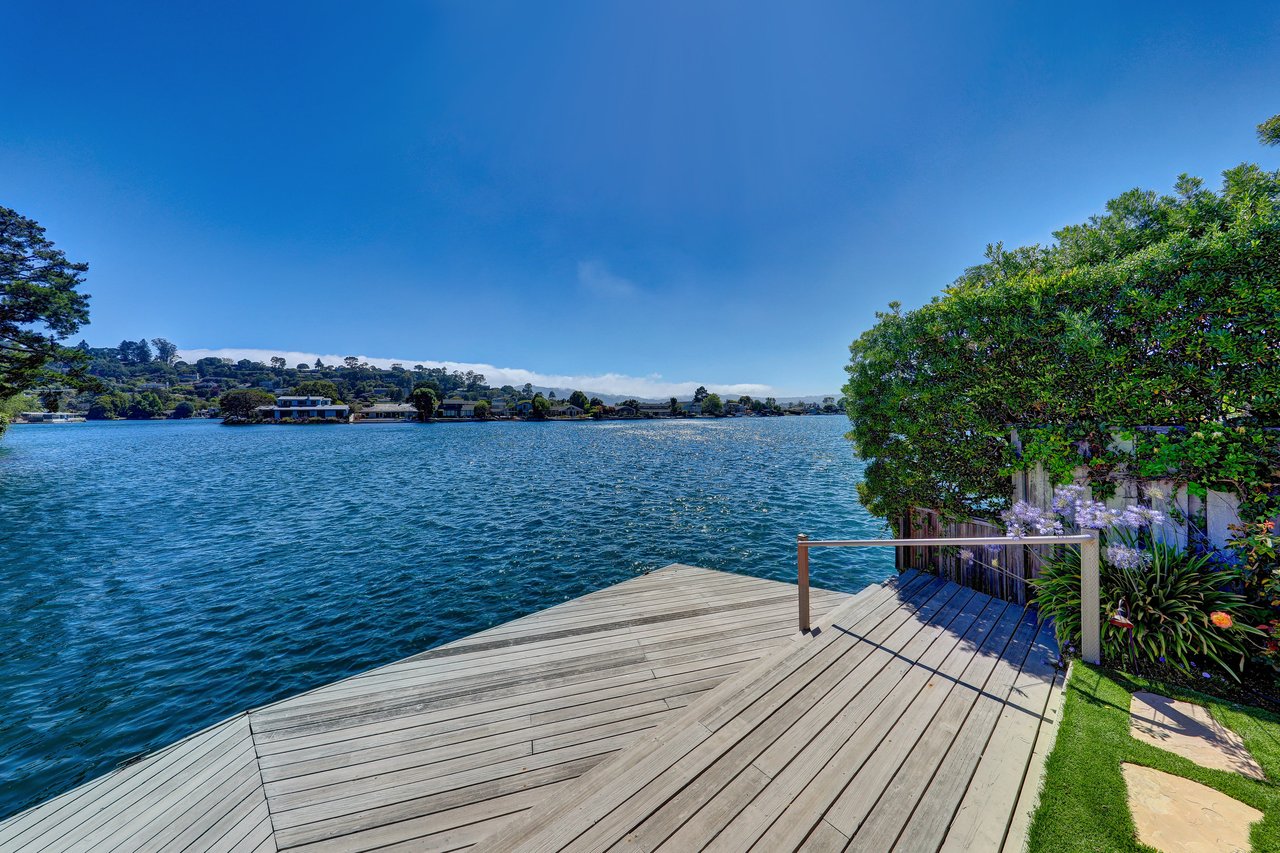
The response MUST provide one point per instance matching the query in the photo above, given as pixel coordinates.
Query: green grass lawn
(1083, 805)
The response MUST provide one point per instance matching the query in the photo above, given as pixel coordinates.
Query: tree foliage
(146, 406)
(423, 398)
(1269, 131)
(242, 402)
(1161, 311)
(579, 399)
(712, 405)
(108, 407)
(39, 305)
(318, 388)
(167, 351)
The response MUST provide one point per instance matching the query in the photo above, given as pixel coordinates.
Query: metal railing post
(802, 579)
(1090, 607)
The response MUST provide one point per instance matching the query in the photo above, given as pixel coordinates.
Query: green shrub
(1159, 311)
(1257, 552)
(1169, 603)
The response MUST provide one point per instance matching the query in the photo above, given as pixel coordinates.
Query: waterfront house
(566, 410)
(50, 417)
(656, 410)
(387, 413)
(456, 407)
(624, 411)
(304, 408)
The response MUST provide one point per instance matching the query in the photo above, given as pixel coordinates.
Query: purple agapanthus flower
(1071, 506)
(1065, 498)
(1139, 516)
(1024, 519)
(1124, 557)
(1094, 515)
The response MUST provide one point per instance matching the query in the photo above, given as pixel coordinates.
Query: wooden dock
(676, 711)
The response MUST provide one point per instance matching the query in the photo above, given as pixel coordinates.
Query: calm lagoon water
(159, 577)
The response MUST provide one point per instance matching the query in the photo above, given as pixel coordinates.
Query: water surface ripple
(159, 577)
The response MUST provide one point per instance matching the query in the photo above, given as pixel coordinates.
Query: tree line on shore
(41, 304)
(145, 379)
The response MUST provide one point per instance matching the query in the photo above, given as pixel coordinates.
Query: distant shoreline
(358, 422)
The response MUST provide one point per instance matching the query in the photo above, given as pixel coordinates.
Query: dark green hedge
(1165, 310)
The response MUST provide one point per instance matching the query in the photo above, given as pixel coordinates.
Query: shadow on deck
(675, 711)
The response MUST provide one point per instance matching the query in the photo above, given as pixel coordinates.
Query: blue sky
(634, 196)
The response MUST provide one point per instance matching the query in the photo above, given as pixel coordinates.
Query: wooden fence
(1202, 523)
(998, 570)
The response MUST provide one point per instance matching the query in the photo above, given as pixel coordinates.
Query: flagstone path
(1177, 815)
(1190, 731)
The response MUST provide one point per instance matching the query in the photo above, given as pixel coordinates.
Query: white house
(51, 417)
(387, 413)
(303, 408)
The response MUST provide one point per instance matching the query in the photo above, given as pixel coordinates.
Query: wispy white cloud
(653, 386)
(596, 279)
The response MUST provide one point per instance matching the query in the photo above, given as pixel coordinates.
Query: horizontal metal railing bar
(1069, 539)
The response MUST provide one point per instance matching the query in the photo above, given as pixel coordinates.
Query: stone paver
(1190, 731)
(1176, 815)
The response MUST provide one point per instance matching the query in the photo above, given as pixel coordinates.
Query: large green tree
(39, 305)
(712, 405)
(146, 406)
(11, 407)
(167, 351)
(579, 399)
(423, 398)
(109, 407)
(1160, 311)
(241, 402)
(318, 388)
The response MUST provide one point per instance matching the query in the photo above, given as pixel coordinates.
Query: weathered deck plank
(201, 794)
(870, 736)
(508, 711)
(675, 711)
(437, 750)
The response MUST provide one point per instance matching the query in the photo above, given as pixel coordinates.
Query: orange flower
(1220, 619)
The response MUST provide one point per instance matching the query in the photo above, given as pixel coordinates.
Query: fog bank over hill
(610, 387)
